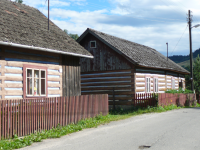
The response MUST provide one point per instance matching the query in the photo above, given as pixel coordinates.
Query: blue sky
(148, 22)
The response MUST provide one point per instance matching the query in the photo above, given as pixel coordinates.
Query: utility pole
(167, 51)
(48, 14)
(191, 55)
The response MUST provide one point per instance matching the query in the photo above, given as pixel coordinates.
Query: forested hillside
(180, 58)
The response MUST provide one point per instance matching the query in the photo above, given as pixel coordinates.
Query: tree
(19, 1)
(74, 36)
(196, 71)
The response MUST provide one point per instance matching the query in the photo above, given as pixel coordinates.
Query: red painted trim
(24, 80)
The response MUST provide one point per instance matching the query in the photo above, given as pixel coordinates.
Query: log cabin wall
(105, 58)
(12, 62)
(164, 80)
(71, 76)
(108, 72)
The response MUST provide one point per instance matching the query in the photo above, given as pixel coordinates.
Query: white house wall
(164, 82)
(11, 79)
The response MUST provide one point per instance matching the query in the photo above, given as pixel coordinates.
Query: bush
(186, 91)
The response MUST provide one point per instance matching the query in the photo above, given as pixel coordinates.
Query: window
(148, 84)
(155, 84)
(35, 81)
(173, 83)
(92, 44)
(181, 84)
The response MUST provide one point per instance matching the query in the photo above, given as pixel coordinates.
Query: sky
(147, 22)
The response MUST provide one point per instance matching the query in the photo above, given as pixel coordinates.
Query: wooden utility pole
(167, 51)
(191, 54)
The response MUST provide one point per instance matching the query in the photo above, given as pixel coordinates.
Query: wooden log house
(36, 62)
(122, 68)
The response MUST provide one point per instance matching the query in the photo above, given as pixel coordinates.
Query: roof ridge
(123, 39)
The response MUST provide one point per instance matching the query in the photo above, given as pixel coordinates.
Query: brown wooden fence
(23, 117)
(176, 99)
(140, 100)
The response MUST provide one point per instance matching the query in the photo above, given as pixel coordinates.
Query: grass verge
(59, 131)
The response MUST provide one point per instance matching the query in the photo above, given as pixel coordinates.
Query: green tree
(74, 36)
(196, 75)
(19, 1)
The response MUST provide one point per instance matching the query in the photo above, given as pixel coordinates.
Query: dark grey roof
(26, 25)
(136, 53)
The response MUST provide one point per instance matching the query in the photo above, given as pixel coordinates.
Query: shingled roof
(138, 54)
(22, 25)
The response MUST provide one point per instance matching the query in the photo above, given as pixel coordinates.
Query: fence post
(113, 98)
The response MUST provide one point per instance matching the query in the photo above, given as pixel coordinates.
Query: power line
(179, 39)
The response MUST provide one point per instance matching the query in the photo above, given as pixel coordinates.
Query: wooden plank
(106, 80)
(28, 57)
(140, 76)
(12, 85)
(140, 90)
(13, 78)
(140, 85)
(107, 84)
(107, 75)
(54, 92)
(106, 71)
(13, 92)
(162, 89)
(17, 71)
(140, 80)
(55, 85)
(54, 79)
(54, 73)
(109, 92)
(121, 98)
(104, 88)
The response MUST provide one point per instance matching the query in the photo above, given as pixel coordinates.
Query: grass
(59, 131)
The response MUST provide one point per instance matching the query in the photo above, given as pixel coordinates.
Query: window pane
(36, 73)
(29, 86)
(43, 86)
(36, 86)
(42, 74)
(29, 73)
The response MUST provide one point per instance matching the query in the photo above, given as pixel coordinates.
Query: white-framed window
(92, 44)
(148, 84)
(35, 82)
(173, 83)
(155, 85)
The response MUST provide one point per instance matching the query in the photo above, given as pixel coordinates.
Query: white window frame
(156, 89)
(94, 44)
(28, 95)
(173, 84)
(148, 84)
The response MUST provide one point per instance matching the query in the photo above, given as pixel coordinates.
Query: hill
(183, 60)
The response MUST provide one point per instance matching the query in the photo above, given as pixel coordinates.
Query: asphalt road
(172, 130)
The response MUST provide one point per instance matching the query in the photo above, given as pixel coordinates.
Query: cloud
(151, 23)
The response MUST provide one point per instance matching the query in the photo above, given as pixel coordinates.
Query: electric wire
(179, 39)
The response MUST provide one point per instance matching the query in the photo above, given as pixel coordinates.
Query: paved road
(172, 130)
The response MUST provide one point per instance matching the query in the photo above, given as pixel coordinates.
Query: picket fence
(26, 116)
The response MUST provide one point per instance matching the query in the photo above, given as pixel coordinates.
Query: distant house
(125, 67)
(34, 61)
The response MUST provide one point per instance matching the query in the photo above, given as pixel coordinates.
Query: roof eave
(43, 49)
(185, 73)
